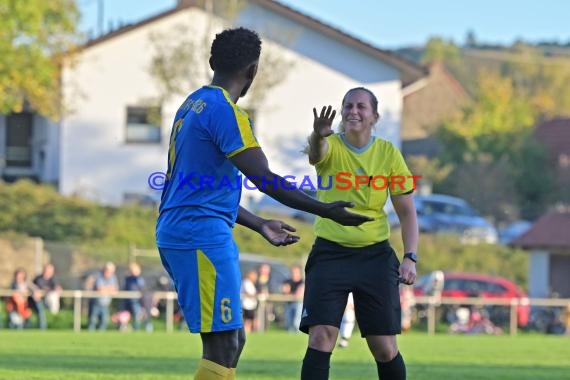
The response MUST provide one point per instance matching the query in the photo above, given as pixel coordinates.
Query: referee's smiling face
(357, 112)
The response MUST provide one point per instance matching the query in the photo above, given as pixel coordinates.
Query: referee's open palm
(322, 124)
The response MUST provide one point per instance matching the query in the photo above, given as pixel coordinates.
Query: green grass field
(27, 355)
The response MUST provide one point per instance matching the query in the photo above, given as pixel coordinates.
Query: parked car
(438, 213)
(513, 231)
(465, 285)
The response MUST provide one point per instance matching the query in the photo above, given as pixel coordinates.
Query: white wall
(96, 161)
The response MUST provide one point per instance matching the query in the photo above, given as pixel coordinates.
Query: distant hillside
(415, 53)
(493, 57)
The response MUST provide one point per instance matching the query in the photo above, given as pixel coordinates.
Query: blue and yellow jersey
(379, 169)
(200, 202)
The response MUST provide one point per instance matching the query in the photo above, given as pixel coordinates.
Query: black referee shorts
(370, 273)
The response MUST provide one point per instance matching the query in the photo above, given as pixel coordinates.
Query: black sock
(395, 369)
(316, 365)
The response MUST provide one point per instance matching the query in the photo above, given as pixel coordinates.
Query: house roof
(555, 135)
(549, 231)
(410, 72)
(427, 103)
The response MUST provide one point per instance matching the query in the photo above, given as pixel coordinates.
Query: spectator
(149, 310)
(51, 289)
(18, 304)
(264, 275)
(249, 301)
(106, 284)
(22, 301)
(263, 286)
(135, 282)
(294, 286)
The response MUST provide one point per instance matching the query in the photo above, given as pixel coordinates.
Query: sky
(390, 24)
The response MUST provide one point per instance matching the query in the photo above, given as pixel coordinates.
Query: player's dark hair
(234, 49)
(373, 99)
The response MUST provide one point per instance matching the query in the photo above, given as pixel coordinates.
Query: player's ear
(211, 64)
(251, 70)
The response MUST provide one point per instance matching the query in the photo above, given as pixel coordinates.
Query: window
(454, 284)
(19, 131)
(497, 288)
(143, 124)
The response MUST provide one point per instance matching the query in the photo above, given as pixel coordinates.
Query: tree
(439, 50)
(533, 176)
(33, 35)
(433, 172)
(492, 137)
(546, 80)
(180, 61)
(487, 124)
(488, 185)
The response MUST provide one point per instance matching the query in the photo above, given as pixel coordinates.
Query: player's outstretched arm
(274, 231)
(253, 164)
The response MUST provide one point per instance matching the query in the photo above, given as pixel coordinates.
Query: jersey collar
(355, 149)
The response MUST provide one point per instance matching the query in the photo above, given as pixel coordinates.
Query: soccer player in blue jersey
(211, 142)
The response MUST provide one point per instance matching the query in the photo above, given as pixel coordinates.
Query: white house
(109, 147)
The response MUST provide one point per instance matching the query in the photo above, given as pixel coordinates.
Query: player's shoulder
(211, 95)
(222, 104)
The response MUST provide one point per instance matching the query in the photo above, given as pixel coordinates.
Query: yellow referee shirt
(363, 176)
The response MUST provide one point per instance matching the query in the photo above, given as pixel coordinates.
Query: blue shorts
(208, 284)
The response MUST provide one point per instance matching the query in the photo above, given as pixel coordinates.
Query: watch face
(411, 256)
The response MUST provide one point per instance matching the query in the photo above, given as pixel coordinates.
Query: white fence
(432, 303)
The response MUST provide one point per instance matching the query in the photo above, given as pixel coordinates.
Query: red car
(464, 285)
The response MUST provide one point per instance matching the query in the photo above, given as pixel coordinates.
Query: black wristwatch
(412, 256)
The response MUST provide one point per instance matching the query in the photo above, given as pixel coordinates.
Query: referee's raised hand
(322, 124)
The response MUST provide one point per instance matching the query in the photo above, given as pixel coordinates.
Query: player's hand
(337, 212)
(322, 124)
(277, 233)
(407, 272)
